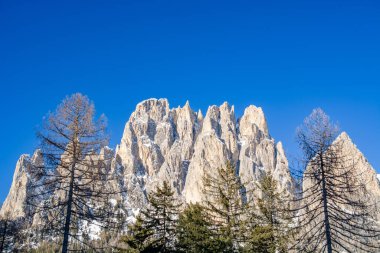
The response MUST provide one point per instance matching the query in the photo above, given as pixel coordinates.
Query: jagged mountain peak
(219, 119)
(178, 145)
(37, 157)
(14, 204)
(152, 108)
(344, 136)
(349, 147)
(200, 115)
(227, 107)
(253, 116)
(365, 175)
(150, 101)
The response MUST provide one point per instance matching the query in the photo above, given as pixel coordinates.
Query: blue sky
(286, 56)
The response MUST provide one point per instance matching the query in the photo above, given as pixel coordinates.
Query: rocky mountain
(178, 145)
(354, 160)
(353, 185)
(364, 172)
(14, 205)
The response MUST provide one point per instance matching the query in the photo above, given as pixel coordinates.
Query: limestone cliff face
(364, 172)
(246, 143)
(259, 153)
(216, 143)
(364, 187)
(14, 205)
(157, 145)
(363, 175)
(178, 145)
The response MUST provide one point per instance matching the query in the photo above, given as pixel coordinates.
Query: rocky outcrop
(364, 173)
(157, 145)
(178, 145)
(14, 205)
(259, 153)
(216, 143)
(353, 202)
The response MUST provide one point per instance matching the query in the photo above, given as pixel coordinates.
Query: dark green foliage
(194, 233)
(269, 232)
(138, 235)
(224, 206)
(261, 240)
(155, 229)
(161, 216)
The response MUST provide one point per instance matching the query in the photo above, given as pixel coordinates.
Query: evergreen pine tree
(224, 206)
(137, 237)
(194, 233)
(155, 229)
(271, 219)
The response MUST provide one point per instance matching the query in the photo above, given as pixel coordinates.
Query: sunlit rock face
(360, 171)
(363, 171)
(157, 145)
(179, 145)
(14, 205)
(216, 143)
(360, 185)
(259, 153)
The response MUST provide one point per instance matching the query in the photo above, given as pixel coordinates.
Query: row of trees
(223, 223)
(71, 187)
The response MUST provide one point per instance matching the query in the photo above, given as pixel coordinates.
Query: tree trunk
(65, 243)
(325, 209)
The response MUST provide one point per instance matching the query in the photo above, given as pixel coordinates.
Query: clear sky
(286, 56)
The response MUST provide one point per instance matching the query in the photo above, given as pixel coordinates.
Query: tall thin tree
(224, 206)
(156, 227)
(194, 231)
(72, 182)
(333, 215)
(271, 218)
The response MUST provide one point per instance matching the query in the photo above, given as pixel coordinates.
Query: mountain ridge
(179, 145)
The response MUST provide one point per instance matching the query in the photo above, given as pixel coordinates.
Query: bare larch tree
(334, 214)
(72, 186)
